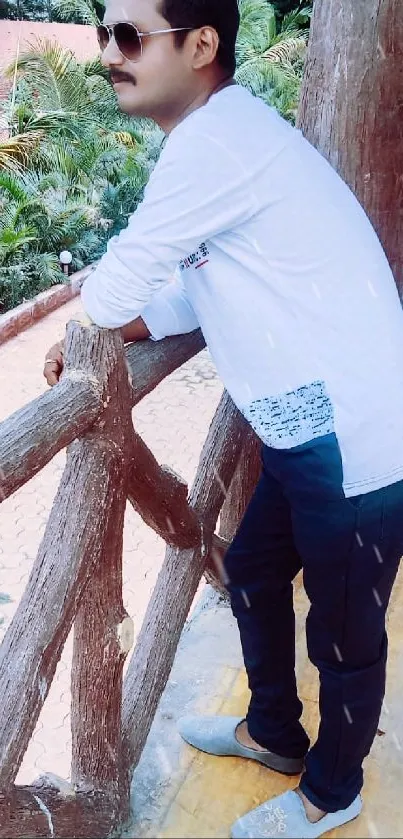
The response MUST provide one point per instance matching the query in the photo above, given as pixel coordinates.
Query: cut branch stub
(41, 811)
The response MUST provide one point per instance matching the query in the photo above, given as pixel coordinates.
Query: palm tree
(270, 63)
(71, 170)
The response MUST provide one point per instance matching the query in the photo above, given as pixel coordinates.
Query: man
(283, 272)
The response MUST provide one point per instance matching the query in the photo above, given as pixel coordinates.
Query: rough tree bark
(242, 486)
(351, 107)
(43, 810)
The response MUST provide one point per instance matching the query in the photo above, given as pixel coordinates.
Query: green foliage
(71, 11)
(73, 167)
(25, 10)
(285, 7)
(270, 60)
(78, 11)
(71, 172)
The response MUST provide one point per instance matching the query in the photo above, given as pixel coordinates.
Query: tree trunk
(351, 107)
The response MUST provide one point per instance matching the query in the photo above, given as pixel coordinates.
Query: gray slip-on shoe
(285, 817)
(216, 736)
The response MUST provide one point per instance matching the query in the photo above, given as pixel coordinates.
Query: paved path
(173, 421)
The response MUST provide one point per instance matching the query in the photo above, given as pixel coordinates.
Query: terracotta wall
(14, 35)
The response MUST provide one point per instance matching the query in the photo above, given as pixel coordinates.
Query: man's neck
(197, 102)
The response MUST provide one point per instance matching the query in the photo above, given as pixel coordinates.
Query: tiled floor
(179, 410)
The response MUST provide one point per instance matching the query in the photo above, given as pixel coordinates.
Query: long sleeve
(169, 312)
(196, 192)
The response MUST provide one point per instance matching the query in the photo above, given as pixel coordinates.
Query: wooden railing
(77, 576)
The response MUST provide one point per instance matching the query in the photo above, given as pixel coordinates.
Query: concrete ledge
(22, 317)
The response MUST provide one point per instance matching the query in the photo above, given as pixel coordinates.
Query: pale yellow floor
(207, 794)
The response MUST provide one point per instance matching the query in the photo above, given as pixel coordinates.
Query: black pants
(349, 550)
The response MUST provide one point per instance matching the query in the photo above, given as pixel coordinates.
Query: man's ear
(205, 47)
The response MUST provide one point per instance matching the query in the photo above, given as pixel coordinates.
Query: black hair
(222, 15)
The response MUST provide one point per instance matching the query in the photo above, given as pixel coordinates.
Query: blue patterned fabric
(293, 418)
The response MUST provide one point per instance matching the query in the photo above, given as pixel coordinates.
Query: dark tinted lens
(103, 36)
(128, 41)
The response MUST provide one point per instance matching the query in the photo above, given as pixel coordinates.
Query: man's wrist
(135, 331)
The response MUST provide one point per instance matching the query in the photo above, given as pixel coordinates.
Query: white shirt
(283, 272)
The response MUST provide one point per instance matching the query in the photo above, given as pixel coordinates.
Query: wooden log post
(73, 544)
(351, 106)
(178, 580)
(103, 632)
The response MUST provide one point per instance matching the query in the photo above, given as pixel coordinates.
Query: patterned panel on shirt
(294, 418)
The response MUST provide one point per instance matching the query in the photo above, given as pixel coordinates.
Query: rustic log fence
(77, 576)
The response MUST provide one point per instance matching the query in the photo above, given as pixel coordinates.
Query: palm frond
(13, 186)
(269, 63)
(294, 21)
(46, 57)
(76, 11)
(12, 240)
(286, 51)
(94, 67)
(15, 152)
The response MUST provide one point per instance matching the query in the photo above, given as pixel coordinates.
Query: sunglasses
(128, 39)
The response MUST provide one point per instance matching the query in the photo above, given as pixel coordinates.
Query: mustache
(116, 76)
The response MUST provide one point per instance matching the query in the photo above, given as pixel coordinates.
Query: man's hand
(54, 364)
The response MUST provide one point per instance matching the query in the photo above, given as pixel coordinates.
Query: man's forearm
(135, 331)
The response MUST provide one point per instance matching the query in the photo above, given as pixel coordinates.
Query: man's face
(159, 84)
